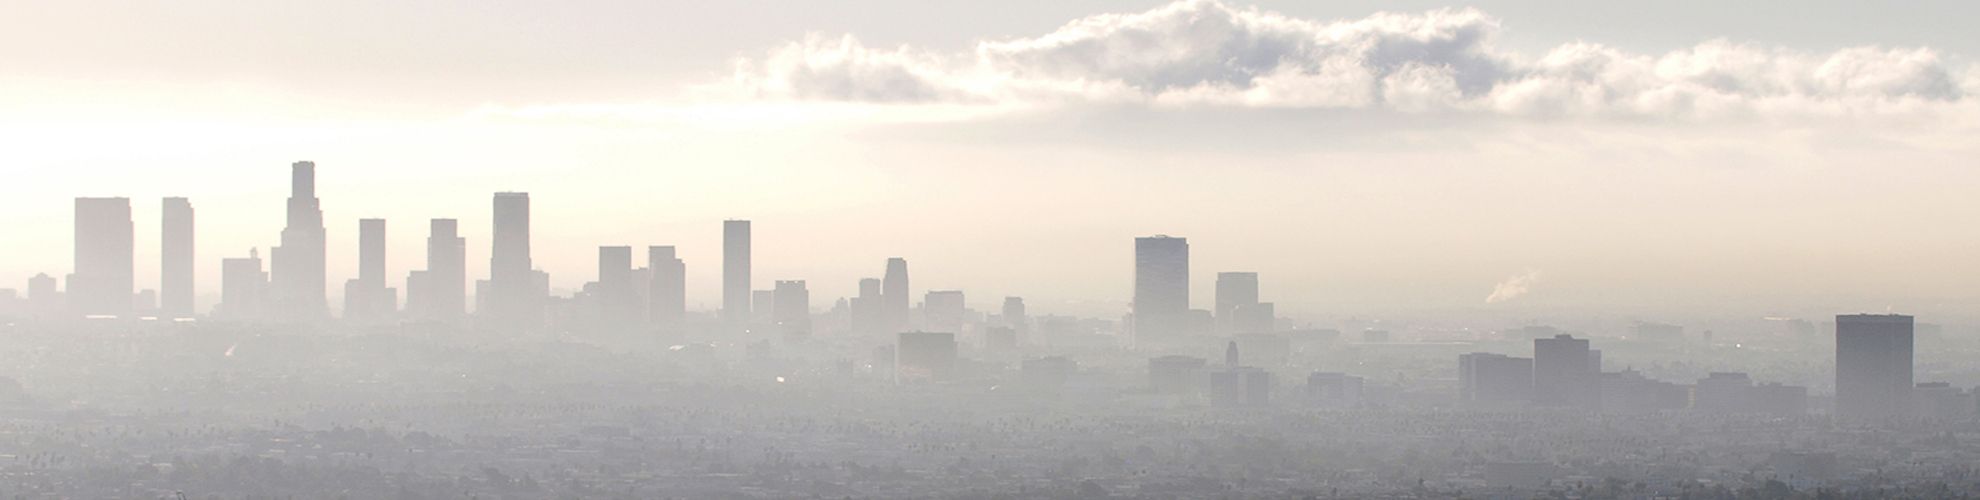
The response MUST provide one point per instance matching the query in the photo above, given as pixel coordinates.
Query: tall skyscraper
(175, 267)
(793, 308)
(513, 301)
(1161, 287)
(243, 287)
(1873, 365)
(1566, 373)
(735, 271)
(1234, 290)
(667, 298)
(439, 293)
(104, 282)
(366, 298)
(894, 297)
(298, 278)
(617, 302)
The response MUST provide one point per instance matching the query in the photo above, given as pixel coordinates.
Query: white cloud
(1207, 53)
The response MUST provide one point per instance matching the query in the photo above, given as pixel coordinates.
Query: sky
(1366, 158)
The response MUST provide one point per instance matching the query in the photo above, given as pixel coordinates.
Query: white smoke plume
(1513, 287)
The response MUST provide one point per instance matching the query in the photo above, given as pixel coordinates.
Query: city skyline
(1719, 210)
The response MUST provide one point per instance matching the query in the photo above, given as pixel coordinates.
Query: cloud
(1207, 53)
(1513, 288)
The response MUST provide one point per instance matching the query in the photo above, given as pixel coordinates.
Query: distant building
(735, 271)
(1873, 365)
(513, 301)
(1723, 392)
(618, 302)
(667, 299)
(297, 279)
(1566, 373)
(1161, 288)
(1015, 317)
(1240, 386)
(243, 287)
(944, 310)
(1253, 318)
(865, 307)
(922, 356)
(1000, 339)
(792, 308)
(1777, 399)
(1334, 390)
(1488, 380)
(366, 297)
(1265, 349)
(176, 256)
(439, 293)
(104, 282)
(1941, 401)
(894, 297)
(1176, 374)
(1234, 290)
(762, 306)
(1628, 391)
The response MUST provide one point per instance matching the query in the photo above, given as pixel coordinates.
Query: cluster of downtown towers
(1873, 365)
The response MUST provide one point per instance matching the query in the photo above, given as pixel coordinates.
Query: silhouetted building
(944, 310)
(243, 287)
(1015, 317)
(924, 356)
(298, 278)
(1161, 288)
(513, 300)
(1628, 391)
(735, 271)
(793, 308)
(439, 293)
(1941, 401)
(43, 295)
(104, 282)
(1000, 339)
(1233, 291)
(366, 297)
(1565, 373)
(1776, 399)
(1488, 380)
(1722, 392)
(667, 297)
(1333, 390)
(1264, 349)
(175, 266)
(1176, 374)
(1240, 386)
(762, 306)
(1873, 365)
(866, 308)
(894, 296)
(618, 305)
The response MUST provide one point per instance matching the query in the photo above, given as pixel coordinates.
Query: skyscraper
(617, 302)
(735, 271)
(243, 287)
(1873, 365)
(1565, 373)
(894, 296)
(1161, 287)
(439, 293)
(1014, 315)
(175, 267)
(513, 301)
(793, 308)
(667, 299)
(104, 281)
(1234, 290)
(866, 308)
(298, 277)
(366, 298)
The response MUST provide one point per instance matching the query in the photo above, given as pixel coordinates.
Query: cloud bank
(1207, 53)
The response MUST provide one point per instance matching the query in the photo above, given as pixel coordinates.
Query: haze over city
(1190, 249)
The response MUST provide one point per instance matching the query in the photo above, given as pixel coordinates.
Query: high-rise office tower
(43, 296)
(243, 287)
(513, 301)
(1234, 290)
(617, 302)
(1565, 373)
(441, 290)
(793, 308)
(175, 267)
(104, 282)
(1015, 317)
(866, 308)
(667, 298)
(944, 310)
(735, 271)
(1873, 365)
(366, 298)
(298, 277)
(1161, 287)
(894, 296)
(762, 306)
